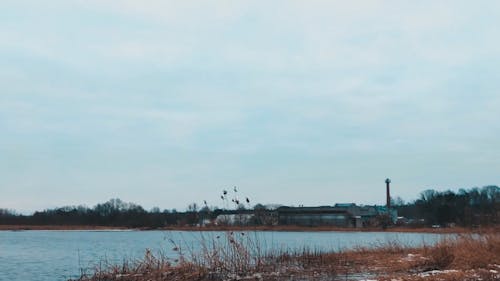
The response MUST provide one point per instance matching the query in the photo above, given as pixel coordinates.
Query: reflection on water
(60, 255)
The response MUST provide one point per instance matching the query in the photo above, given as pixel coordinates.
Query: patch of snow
(409, 257)
(434, 272)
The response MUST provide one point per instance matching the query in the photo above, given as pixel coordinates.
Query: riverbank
(58, 227)
(294, 228)
(465, 257)
(285, 228)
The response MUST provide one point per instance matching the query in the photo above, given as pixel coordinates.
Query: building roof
(345, 205)
(310, 210)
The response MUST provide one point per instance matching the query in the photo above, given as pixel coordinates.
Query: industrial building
(339, 215)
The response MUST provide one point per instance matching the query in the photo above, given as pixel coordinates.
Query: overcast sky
(164, 103)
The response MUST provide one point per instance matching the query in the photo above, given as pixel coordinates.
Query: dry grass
(466, 257)
(237, 256)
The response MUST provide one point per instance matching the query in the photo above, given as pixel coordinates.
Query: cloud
(280, 93)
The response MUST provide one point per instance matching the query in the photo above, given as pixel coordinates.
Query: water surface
(60, 255)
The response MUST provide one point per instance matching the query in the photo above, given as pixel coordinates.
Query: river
(60, 255)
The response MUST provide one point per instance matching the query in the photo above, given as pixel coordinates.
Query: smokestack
(388, 182)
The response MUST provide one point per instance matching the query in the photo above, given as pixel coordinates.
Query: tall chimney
(388, 182)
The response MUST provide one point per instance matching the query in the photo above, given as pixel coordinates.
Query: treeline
(472, 207)
(115, 212)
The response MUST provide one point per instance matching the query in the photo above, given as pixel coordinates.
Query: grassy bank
(256, 228)
(57, 227)
(288, 228)
(237, 257)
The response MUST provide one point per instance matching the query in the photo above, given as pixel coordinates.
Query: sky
(165, 103)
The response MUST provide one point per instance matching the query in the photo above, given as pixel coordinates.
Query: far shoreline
(289, 228)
